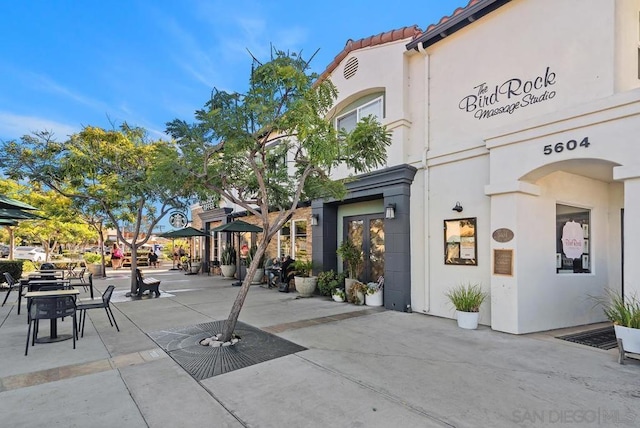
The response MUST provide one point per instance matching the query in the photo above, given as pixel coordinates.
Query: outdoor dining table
(35, 284)
(53, 332)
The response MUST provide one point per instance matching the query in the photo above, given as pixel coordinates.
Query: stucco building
(514, 161)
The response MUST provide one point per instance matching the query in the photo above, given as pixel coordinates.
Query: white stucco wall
(570, 53)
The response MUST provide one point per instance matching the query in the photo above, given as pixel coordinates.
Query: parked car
(35, 254)
(4, 251)
(96, 249)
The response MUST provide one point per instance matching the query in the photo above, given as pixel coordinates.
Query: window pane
(573, 242)
(348, 122)
(300, 244)
(373, 109)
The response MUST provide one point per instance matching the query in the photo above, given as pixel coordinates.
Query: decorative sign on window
(491, 100)
(460, 246)
(573, 240)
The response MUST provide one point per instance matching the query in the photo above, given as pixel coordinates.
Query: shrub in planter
(330, 280)
(352, 255)
(356, 293)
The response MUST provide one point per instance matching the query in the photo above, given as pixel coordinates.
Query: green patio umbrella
(17, 214)
(12, 203)
(238, 227)
(187, 232)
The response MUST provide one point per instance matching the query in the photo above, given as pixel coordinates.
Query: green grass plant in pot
(228, 262)
(624, 312)
(352, 256)
(305, 281)
(467, 300)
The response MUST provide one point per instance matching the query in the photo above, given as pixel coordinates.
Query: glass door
(367, 232)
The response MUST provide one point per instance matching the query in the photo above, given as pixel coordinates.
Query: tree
(118, 173)
(59, 224)
(238, 142)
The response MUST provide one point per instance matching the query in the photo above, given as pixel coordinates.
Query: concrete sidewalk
(360, 369)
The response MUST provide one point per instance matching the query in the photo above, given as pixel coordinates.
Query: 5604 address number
(569, 145)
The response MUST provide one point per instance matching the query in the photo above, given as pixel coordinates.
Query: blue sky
(67, 63)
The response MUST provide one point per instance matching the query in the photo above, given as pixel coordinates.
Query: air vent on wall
(350, 67)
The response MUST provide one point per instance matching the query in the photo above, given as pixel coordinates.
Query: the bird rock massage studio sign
(507, 97)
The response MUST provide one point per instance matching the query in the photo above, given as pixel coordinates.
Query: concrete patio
(362, 367)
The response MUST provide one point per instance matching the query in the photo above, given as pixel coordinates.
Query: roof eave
(455, 23)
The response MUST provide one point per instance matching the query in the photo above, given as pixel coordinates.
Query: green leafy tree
(59, 224)
(118, 173)
(270, 148)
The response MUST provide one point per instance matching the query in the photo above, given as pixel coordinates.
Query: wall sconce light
(314, 219)
(458, 207)
(390, 211)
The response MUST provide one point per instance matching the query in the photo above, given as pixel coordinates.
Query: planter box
(228, 271)
(374, 299)
(305, 286)
(630, 338)
(468, 320)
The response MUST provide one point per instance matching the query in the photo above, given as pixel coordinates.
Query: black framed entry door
(367, 232)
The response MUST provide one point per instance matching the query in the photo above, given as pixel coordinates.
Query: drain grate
(202, 362)
(603, 338)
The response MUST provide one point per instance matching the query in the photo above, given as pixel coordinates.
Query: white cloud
(46, 84)
(13, 126)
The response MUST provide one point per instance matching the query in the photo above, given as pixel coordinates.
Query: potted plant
(328, 281)
(374, 293)
(94, 263)
(259, 275)
(624, 312)
(304, 281)
(338, 295)
(351, 254)
(228, 262)
(195, 265)
(356, 293)
(467, 300)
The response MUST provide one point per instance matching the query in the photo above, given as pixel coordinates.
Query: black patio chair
(50, 308)
(103, 303)
(12, 283)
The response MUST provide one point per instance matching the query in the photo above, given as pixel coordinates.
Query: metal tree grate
(202, 362)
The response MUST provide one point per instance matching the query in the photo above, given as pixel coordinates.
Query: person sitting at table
(153, 259)
(272, 269)
(286, 274)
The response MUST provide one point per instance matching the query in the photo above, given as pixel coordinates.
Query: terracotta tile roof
(447, 25)
(378, 39)
(455, 13)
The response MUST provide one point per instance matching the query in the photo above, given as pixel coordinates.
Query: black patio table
(53, 330)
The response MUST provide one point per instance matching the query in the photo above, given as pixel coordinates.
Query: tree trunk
(230, 323)
(134, 265)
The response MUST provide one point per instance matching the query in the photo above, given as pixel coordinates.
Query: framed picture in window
(558, 260)
(585, 261)
(460, 243)
(585, 231)
(585, 246)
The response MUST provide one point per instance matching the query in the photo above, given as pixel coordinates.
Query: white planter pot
(374, 299)
(195, 267)
(95, 269)
(258, 276)
(468, 320)
(338, 297)
(228, 271)
(305, 286)
(630, 338)
(348, 283)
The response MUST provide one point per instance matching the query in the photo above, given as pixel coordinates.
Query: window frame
(358, 110)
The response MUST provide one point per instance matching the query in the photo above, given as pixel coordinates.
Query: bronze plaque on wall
(503, 262)
(502, 235)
